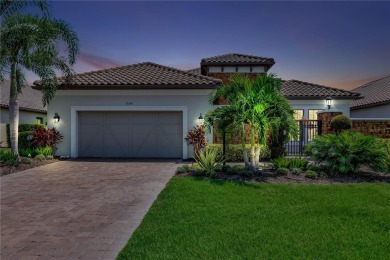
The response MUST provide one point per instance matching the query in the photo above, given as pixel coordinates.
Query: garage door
(130, 134)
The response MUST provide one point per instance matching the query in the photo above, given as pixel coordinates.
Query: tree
(259, 104)
(41, 45)
(9, 7)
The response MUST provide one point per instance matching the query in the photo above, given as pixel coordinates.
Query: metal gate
(308, 130)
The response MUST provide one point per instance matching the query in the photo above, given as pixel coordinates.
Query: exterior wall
(340, 105)
(379, 128)
(25, 117)
(196, 102)
(372, 112)
(326, 117)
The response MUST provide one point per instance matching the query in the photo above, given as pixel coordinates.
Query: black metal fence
(308, 130)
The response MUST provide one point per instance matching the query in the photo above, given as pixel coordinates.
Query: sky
(338, 44)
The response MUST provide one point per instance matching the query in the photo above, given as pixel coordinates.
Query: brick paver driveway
(77, 209)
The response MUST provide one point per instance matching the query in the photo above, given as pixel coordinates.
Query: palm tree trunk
(253, 148)
(244, 153)
(14, 112)
(257, 154)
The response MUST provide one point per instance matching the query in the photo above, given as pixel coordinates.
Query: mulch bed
(270, 177)
(6, 169)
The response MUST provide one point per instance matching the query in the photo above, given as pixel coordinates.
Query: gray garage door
(130, 134)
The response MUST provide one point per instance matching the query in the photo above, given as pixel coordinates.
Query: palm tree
(9, 7)
(257, 103)
(29, 42)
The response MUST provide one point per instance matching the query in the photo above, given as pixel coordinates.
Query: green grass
(205, 219)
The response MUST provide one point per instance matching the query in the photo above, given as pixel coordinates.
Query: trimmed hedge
(234, 151)
(24, 142)
(22, 128)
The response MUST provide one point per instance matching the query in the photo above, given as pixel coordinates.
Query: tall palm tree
(259, 104)
(30, 42)
(9, 7)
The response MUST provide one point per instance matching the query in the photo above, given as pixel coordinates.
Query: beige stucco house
(31, 110)
(146, 109)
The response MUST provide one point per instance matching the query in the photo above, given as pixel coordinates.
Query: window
(244, 69)
(313, 114)
(39, 120)
(298, 114)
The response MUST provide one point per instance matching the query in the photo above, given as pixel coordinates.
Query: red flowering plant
(196, 137)
(43, 137)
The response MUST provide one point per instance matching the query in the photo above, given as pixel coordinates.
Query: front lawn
(214, 219)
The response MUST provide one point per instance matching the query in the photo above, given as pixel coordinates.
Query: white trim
(135, 92)
(371, 119)
(74, 120)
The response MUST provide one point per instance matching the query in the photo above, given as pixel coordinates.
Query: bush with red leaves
(42, 137)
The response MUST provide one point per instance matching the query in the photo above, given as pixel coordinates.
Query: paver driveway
(77, 209)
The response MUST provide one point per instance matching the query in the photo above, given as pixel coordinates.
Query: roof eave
(119, 87)
(320, 97)
(371, 105)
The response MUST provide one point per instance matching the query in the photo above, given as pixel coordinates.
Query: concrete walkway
(77, 209)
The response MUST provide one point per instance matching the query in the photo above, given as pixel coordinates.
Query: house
(146, 109)
(31, 109)
(375, 102)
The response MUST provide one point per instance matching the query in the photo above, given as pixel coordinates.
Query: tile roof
(30, 99)
(299, 89)
(374, 93)
(141, 75)
(236, 58)
(195, 71)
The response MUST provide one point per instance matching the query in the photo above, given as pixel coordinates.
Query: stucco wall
(196, 102)
(338, 104)
(25, 117)
(372, 112)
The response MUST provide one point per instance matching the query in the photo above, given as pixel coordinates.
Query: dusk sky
(340, 44)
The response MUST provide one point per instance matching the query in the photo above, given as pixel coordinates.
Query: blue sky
(341, 44)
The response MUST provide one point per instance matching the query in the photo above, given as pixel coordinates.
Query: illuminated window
(313, 114)
(298, 114)
(39, 121)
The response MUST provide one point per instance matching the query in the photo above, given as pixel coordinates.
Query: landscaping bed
(272, 177)
(6, 169)
(198, 218)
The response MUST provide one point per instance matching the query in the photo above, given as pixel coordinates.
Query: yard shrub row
(234, 151)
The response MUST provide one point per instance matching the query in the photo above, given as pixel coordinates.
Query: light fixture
(329, 101)
(56, 118)
(201, 119)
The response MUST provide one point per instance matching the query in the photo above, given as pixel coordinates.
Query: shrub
(183, 169)
(340, 123)
(235, 169)
(208, 160)
(49, 157)
(310, 174)
(43, 137)
(296, 171)
(196, 137)
(234, 151)
(40, 157)
(282, 171)
(46, 151)
(25, 140)
(8, 157)
(280, 162)
(27, 152)
(25, 160)
(21, 128)
(298, 162)
(347, 152)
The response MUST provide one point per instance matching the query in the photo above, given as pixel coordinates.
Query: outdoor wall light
(329, 101)
(200, 119)
(56, 118)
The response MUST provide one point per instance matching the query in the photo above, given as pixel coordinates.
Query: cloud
(97, 62)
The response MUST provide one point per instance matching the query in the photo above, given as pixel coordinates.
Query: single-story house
(375, 102)
(146, 109)
(31, 109)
